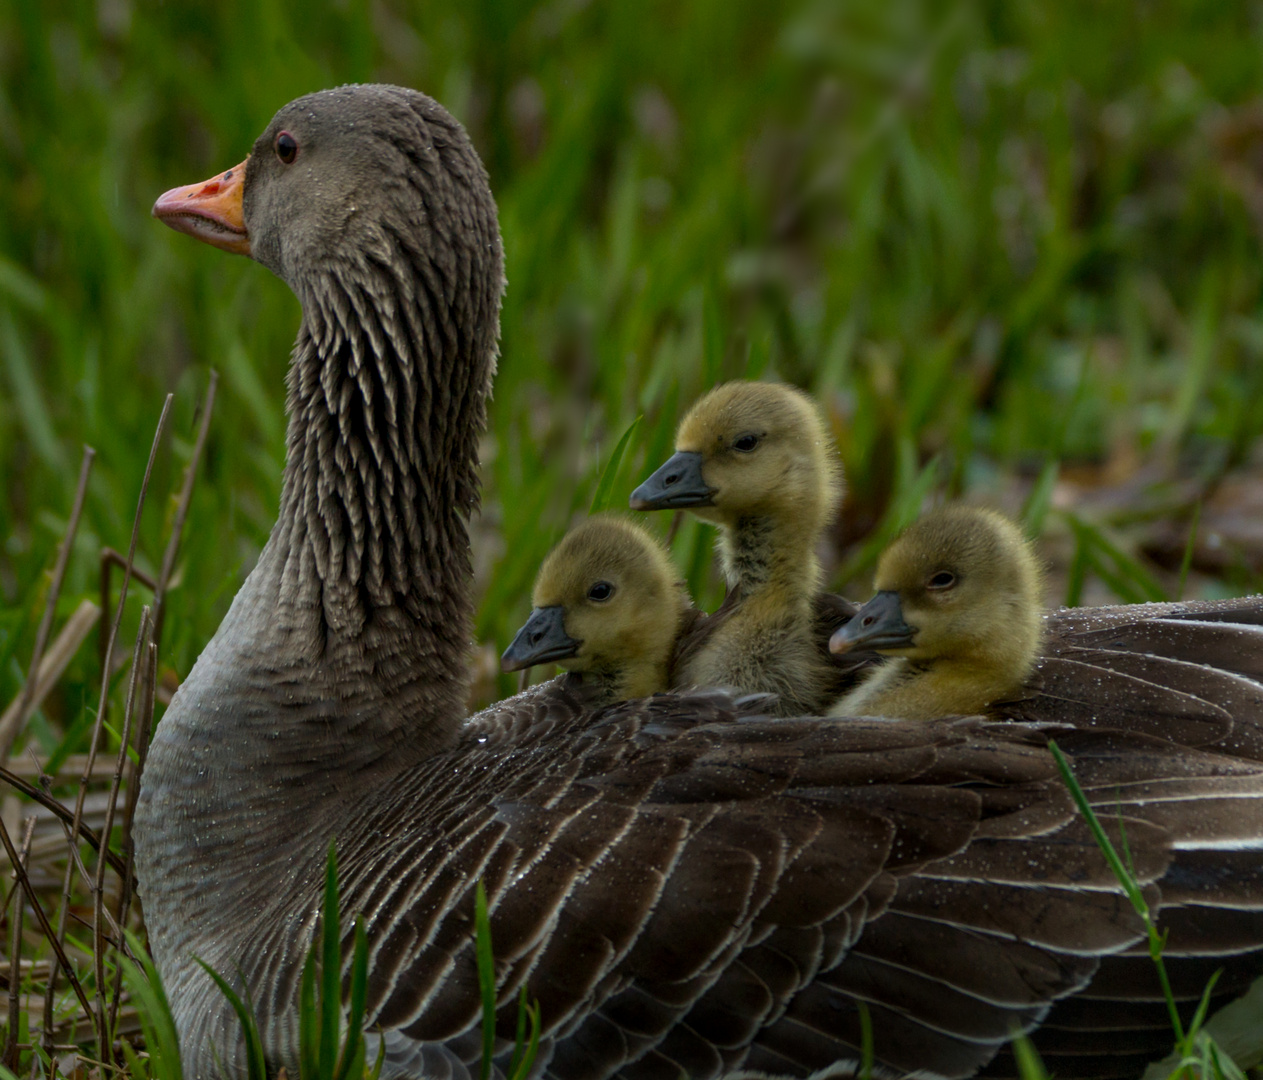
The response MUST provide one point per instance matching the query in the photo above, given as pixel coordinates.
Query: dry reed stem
(127, 889)
(65, 816)
(50, 604)
(109, 559)
(15, 956)
(47, 670)
(47, 929)
(142, 646)
(74, 860)
(51, 667)
(182, 512)
(72, 765)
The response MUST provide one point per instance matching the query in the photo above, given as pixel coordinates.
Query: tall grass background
(989, 236)
(1012, 247)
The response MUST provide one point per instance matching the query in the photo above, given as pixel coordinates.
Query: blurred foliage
(990, 235)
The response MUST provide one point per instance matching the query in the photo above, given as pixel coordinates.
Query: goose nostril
(674, 478)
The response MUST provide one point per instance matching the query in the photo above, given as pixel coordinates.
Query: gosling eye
(601, 591)
(745, 443)
(286, 147)
(944, 579)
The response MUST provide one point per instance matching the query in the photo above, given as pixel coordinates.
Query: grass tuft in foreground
(1198, 1056)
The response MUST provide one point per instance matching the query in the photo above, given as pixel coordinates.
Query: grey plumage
(684, 886)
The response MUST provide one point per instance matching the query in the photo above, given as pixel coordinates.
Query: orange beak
(210, 211)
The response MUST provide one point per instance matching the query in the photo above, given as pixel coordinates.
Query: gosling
(608, 606)
(755, 459)
(958, 606)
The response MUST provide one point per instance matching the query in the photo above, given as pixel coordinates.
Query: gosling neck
(635, 678)
(770, 554)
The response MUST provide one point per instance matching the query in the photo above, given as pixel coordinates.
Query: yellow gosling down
(608, 606)
(756, 459)
(958, 607)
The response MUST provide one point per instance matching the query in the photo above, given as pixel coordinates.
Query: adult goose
(683, 890)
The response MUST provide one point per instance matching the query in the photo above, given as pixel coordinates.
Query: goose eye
(745, 443)
(944, 579)
(601, 591)
(286, 147)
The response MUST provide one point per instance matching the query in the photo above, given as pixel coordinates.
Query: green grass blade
(330, 970)
(1029, 1064)
(144, 983)
(1203, 1007)
(137, 1067)
(1077, 576)
(16, 284)
(1126, 577)
(713, 339)
(1186, 563)
(486, 977)
(520, 1036)
(381, 1060)
(1040, 499)
(1219, 1065)
(1198, 358)
(351, 1064)
(532, 1046)
(308, 1022)
(32, 406)
(255, 1065)
(866, 1042)
(605, 487)
(1126, 880)
(1098, 834)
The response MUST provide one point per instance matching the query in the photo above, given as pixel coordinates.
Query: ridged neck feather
(371, 553)
(360, 603)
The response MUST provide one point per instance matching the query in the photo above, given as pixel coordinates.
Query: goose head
(745, 450)
(961, 584)
(346, 180)
(607, 601)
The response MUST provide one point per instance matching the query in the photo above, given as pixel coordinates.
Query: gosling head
(607, 601)
(749, 450)
(961, 584)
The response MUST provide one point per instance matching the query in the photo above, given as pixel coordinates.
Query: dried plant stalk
(139, 652)
(66, 817)
(15, 955)
(95, 742)
(110, 559)
(133, 793)
(50, 604)
(51, 666)
(44, 924)
(182, 512)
